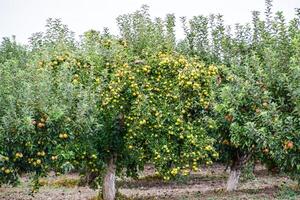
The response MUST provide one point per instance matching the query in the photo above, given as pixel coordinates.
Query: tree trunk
(109, 185)
(233, 179)
(235, 170)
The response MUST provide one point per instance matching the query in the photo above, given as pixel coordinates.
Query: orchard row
(107, 105)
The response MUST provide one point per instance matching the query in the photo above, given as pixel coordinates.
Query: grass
(60, 182)
(289, 193)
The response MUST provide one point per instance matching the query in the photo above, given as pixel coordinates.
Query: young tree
(254, 93)
(259, 98)
(149, 94)
(40, 108)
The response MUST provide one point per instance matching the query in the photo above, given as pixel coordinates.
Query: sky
(24, 17)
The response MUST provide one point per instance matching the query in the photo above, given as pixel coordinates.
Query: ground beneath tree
(207, 183)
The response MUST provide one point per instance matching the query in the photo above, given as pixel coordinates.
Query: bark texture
(109, 186)
(233, 179)
(235, 170)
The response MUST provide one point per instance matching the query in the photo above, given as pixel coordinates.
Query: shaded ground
(204, 184)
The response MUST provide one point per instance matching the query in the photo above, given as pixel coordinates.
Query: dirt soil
(207, 183)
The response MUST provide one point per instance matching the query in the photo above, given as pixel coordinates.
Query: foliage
(257, 95)
(144, 97)
(74, 106)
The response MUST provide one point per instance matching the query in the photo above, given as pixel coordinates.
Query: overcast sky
(24, 17)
